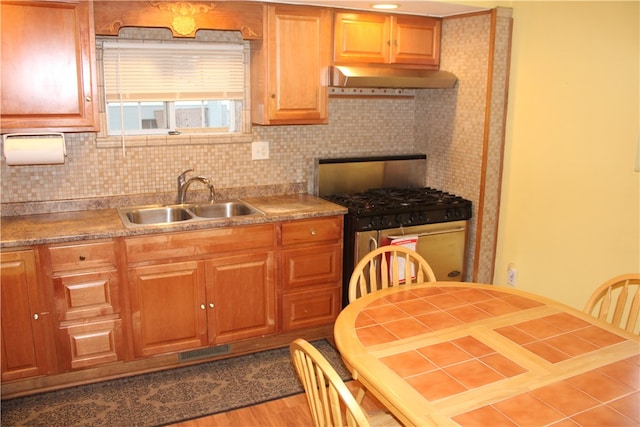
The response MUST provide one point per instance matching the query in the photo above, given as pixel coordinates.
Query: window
(173, 87)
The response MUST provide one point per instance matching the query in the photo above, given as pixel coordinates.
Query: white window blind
(172, 71)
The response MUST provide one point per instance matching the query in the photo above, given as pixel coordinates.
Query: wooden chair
(330, 401)
(388, 266)
(617, 301)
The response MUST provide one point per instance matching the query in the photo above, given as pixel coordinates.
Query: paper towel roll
(20, 149)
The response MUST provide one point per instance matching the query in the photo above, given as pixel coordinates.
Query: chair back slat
(634, 312)
(617, 301)
(330, 401)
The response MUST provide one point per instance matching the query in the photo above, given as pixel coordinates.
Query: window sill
(168, 140)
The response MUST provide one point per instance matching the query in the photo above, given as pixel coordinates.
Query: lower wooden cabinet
(241, 297)
(81, 311)
(85, 345)
(311, 264)
(24, 322)
(227, 294)
(168, 311)
(86, 287)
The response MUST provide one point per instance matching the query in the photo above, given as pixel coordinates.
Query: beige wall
(570, 209)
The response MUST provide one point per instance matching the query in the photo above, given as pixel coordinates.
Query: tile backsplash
(358, 126)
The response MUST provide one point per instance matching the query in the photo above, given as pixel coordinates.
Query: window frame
(179, 136)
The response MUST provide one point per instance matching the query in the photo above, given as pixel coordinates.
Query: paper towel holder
(10, 158)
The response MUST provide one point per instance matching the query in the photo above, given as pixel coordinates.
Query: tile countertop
(27, 230)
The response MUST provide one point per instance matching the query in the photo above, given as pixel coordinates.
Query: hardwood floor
(289, 411)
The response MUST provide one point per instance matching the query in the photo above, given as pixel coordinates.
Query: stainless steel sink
(222, 210)
(155, 215)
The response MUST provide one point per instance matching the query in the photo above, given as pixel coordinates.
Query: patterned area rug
(169, 396)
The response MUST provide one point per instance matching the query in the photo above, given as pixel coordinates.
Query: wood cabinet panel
(310, 308)
(241, 297)
(167, 307)
(83, 256)
(303, 267)
(416, 40)
(372, 38)
(24, 328)
(90, 344)
(362, 38)
(199, 243)
(86, 295)
(289, 67)
(312, 230)
(48, 68)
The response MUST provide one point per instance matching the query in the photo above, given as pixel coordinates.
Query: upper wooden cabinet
(48, 66)
(289, 67)
(386, 39)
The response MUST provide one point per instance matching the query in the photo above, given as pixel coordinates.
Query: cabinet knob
(82, 258)
(36, 316)
(273, 96)
(88, 99)
(313, 232)
(211, 305)
(202, 306)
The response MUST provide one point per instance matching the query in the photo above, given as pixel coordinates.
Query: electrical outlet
(512, 274)
(260, 150)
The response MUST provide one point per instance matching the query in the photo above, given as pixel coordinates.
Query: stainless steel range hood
(387, 77)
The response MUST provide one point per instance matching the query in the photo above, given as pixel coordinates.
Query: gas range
(383, 208)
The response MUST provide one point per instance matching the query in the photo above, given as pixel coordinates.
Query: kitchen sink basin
(170, 214)
(222, 210)
(157, 215)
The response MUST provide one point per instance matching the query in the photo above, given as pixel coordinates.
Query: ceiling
(435, 8)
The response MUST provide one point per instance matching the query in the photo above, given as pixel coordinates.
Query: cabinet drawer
(196, 243)
(83, 256)
(89, 344)
(312, 230)
(81, 296)
(311, 308)
(312, 266)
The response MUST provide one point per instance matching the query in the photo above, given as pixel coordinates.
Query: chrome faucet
(183, 186)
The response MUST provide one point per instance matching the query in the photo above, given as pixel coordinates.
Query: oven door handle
(431, 233)
(373, 244)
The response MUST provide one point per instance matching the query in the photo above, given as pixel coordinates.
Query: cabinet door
(47, 66)
(415, 40)
(23, 329)
(362, 38)
(290, 67)
(241, 297)
(168, 310)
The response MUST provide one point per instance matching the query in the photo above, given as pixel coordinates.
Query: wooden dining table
(451, 353)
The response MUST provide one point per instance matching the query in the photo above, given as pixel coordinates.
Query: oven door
(442, 245)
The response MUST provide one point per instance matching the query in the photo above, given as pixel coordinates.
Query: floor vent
(204, 353)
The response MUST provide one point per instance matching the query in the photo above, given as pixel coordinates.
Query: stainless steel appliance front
(442, 245)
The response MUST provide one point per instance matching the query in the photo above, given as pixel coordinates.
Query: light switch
(260, 150)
